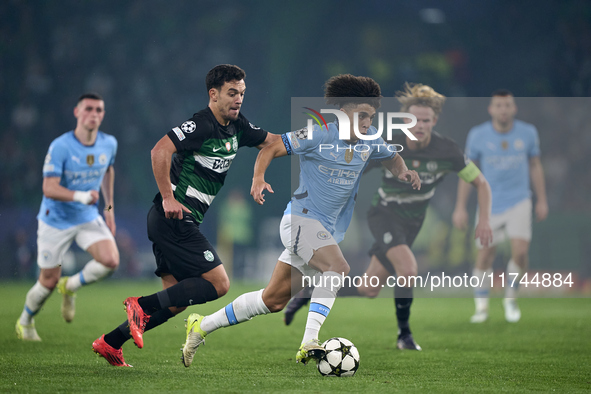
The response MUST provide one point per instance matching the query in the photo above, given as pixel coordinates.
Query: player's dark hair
(420, 95)
(90, 95)
(219, 75)
(346, 89)
(501, 93)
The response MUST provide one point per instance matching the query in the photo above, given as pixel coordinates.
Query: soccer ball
(341, 359)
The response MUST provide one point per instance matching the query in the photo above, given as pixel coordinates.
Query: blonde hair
(421, 95)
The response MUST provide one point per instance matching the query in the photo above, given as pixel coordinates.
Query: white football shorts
(514, 223)
(301, 237)
(52, 243)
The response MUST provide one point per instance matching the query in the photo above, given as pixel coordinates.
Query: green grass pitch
(548, 350)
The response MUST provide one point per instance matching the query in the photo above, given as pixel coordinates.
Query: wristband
(82, 197)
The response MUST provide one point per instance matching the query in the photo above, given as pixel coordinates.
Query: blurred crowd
(148, 59)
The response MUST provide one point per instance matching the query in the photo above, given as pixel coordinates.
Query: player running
(508, 151)
(77, 165)
(187, 263)
(398, 211)
(316, 218)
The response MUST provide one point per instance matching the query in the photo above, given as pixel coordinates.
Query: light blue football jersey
(329, 176)
(504, 160)
(81, 168)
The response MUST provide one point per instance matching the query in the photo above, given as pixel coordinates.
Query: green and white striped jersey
(439, 158)
(205, 150)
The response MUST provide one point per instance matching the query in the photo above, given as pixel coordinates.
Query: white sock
(92, 272)
(243, 308)
(322, 300)
(512, 269)
(482, 293)
(35, 299)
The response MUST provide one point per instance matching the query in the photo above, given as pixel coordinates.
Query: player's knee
(49, 279)
(368, 292)
(520, 256)
(222, 286)
(340, 266)
(111, 262)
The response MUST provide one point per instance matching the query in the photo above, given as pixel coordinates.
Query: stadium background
(149, 59)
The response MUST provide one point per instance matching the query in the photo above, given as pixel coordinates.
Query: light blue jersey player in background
(316, 218)
(77, 165)
(508, 153)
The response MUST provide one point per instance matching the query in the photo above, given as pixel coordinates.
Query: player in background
(188, 265)
(398, 211)
(77, 165)
(508, 151)
(316, 218)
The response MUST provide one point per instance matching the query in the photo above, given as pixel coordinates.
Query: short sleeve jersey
(432, 163)
(205, 151)
(504, 160)
(80, 168)
(330, 171)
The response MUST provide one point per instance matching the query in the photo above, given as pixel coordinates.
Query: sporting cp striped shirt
(432, 163)
(205, 150)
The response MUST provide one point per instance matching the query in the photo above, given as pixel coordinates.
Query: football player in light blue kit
(317, 216)
(508, 151)
(77, 165)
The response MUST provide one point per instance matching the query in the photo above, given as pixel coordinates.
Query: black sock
(187, 292)
(121, 334)
(403, 297)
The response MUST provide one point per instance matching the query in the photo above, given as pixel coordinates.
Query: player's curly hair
(217, 76)
(421, 95)
(345, 89)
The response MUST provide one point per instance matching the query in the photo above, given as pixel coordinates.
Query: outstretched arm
(268, 153)
(52, 189)
(483, 230)
(460, 215)
(398, 168)
(270, 139)
(539, 185)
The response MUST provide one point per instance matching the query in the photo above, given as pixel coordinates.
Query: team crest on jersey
(504, 145)
(188, 127)
(416, 163)
(235, 144)
(349, 155)
(323, 235)
(518, 144)
(228, 146)
(364, 156)
(90, 160)
(432, 166)
(208, 255)
(103, 159)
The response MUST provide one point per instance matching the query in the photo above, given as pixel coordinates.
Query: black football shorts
(179, 246)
